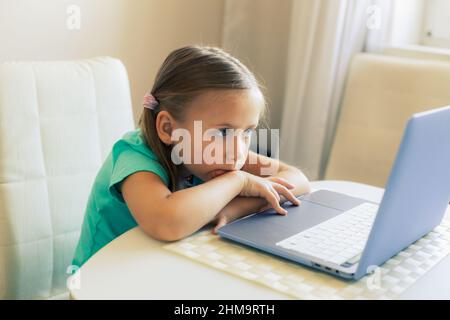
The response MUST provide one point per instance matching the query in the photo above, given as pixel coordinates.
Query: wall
(407, 22)
(139, 32)
(257, 32)
(436, 25)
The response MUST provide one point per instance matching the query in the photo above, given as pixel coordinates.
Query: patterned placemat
(387, 282)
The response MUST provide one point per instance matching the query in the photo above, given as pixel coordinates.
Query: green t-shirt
(107, 215)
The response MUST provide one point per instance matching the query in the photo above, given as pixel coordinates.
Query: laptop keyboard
(339, 240)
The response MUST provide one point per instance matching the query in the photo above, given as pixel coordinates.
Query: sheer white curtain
(325, 34)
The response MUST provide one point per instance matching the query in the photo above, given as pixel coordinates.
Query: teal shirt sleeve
(127, 161)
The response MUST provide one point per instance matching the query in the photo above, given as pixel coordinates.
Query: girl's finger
(277, 196)
(274, 202)
(283, 182)
(286, 193)
(275, 193)
(221, 223)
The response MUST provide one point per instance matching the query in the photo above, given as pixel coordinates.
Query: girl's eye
(224, 131)
(227, 131)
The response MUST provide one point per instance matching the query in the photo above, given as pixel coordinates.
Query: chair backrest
(58, 122)
(381, 93)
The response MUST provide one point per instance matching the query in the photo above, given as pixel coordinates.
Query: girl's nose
(236, 152)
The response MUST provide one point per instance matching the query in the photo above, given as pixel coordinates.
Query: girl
(142, 182)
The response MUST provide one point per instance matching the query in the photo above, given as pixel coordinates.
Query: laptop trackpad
(332, 199)
(268, 227)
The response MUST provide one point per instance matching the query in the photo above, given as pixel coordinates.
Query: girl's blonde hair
(184, 74)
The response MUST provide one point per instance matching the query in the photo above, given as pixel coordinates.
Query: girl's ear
(164, 126)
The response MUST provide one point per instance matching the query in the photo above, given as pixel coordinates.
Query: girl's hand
(231, 213)
(222, 219)
(270, 188)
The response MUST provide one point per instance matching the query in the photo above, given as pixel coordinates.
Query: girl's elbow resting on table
(163, 231)
(169, 225)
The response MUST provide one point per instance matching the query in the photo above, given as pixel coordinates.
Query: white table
(135, 266)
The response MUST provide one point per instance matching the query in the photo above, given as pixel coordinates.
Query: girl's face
(219, 123)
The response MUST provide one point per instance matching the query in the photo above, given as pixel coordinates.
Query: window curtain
(325, 34)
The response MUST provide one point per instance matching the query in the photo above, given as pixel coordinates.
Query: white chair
(382, 92)
(58, 121)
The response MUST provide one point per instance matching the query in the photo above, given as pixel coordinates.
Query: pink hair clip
(150, 101)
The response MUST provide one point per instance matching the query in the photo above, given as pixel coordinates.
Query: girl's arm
(158, 211)
(171, 216)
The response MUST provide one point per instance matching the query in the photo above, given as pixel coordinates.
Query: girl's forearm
(194, 207)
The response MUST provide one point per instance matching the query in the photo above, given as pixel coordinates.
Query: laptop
(348, 236)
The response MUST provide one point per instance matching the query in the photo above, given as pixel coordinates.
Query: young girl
(142, 182)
